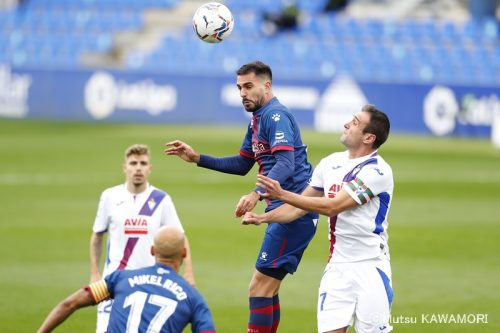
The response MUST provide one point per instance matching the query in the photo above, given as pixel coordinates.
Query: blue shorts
(284, 244)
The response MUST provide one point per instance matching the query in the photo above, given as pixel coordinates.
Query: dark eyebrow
(354, 116)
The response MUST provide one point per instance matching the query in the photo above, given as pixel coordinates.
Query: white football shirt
(131, 221)
(359, 233)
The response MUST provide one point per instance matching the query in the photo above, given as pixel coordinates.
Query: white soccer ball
(213, 22)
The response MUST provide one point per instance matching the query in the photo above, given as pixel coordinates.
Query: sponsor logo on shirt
(258, 148)
(279, 137)
(136, 226)
(334, 189)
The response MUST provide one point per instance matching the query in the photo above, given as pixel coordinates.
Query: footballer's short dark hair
(379, 124)
(257, 67)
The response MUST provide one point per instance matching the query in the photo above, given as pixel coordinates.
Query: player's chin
(139, 181)
(249, 107)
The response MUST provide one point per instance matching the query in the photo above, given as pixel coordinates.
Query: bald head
(169, 244)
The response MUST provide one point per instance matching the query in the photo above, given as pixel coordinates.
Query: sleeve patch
(360, 190)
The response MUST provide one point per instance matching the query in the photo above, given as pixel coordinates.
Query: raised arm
(183, 150)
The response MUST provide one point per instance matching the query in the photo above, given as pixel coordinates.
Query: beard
(253, 106)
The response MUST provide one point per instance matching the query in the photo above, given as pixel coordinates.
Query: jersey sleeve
(317, 181)
(169, 214)
(101, 219)
(281, 131)
(371, 181)
(246, 146)
(202, 321)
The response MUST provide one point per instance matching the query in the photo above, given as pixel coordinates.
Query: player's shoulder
(275, 110)
(335, 157)
(381, 162)
(159, 192)
(114, 190)
(381, 166)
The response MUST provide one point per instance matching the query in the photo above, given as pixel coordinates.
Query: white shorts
(361, 291)
(103, 311)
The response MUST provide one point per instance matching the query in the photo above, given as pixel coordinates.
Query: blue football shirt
(273, 128)
(155, 299)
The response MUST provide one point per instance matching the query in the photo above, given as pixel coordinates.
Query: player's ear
(184, 253)
(370, 138)
(268, 85)
(153, 252)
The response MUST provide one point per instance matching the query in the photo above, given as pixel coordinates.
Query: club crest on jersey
(355, 171)
(136, 226)
(151, 203)
(276, 117)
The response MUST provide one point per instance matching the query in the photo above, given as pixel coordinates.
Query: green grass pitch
(444, 224)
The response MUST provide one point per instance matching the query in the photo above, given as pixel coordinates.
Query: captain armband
(98, 291)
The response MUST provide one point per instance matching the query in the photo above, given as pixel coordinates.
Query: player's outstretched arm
(325, 206)
(63, 310)
(183, 150)
(283, 214)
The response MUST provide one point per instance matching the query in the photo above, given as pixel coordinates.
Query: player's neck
(357, 153)
(175, 265)
(136, 189)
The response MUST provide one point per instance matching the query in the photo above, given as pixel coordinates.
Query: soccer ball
(213, 22)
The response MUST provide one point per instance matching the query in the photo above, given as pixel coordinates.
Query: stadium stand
(416, 43)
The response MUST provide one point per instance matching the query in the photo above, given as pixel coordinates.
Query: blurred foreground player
(354, 189)
(273, 140)
(150, 299)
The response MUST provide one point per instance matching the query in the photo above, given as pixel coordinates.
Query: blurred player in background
(272, 140)
(151, 299)
(131, 213)
(354, 189)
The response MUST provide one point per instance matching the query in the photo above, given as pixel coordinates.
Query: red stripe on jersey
(245, 154)
(136, 232)
(333, 223)
(276, 148)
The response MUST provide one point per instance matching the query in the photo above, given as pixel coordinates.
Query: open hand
(251, 218)
(272, 187)
(182, 150)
